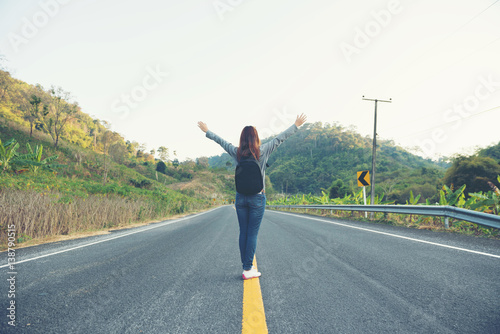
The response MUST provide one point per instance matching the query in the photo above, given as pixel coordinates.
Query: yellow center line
(254, 318)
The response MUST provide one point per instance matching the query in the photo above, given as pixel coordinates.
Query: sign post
(363, 181)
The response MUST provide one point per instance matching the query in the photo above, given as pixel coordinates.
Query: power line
(374, 149)
(472, 19)
(427, 115)
(450, 65)
(448, 123)
(452, 33)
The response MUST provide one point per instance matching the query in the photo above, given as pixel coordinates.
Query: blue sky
(155, 68)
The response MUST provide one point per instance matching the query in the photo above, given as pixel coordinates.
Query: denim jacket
(265, 149)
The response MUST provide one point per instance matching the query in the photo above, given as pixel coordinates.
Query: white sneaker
(251, 268)
(252, 273)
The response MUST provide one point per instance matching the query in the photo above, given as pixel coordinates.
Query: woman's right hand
(203, 126)
(300, 120)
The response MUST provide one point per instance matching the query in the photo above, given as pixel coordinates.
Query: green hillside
(322, 154)
(64, 172)
(87, 177)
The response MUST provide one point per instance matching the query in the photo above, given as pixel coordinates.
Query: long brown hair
(249, 143)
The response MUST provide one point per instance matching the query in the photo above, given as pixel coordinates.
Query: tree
(61, 111)
(163, 153)
(148, 158)
(202, 162)
(5, 83)
(35, 109)
(118, 151)
(132, 147)
(3, 60)
(338, 189)
(141, 151)
(269, 185)
(108, 139)
(474, 172)
(143, 147)
(161, 167)
(93, 131)
(491, 151)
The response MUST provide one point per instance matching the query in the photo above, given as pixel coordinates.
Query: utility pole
(374, 151)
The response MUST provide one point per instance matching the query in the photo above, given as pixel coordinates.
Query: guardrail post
(448, 212)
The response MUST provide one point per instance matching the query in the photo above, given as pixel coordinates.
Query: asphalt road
(325, 276)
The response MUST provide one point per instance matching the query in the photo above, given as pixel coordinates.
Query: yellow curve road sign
(363, 178)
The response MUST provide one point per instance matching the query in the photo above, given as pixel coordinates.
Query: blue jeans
(250, 210)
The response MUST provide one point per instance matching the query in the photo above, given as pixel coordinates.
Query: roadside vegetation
(487, 202)
(318, 165)
(322, 155)
(64, 173)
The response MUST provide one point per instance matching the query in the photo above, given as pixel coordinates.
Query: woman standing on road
(250, 208)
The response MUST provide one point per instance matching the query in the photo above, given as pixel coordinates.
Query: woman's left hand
(300, 120)
(203, 126)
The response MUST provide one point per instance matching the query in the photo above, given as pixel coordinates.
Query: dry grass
(37, 216)
(204, 185)
(84, 234)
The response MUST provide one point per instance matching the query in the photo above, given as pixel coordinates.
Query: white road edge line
(392, 235)
(112, 238)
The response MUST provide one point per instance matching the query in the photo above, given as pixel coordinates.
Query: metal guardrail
(446, 211)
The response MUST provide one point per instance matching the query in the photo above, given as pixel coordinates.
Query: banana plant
(378, 200)
(347, 199)
(33, 160)
(321, 200)
(413, 200)
(381, 200)
(304, 199)
(488, 202)
(452, 198)
(358, 198)
(494, 187)
(7, 153)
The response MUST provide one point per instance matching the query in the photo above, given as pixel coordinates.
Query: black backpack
(248, 177)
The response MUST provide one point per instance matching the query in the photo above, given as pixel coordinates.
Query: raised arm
(270, 146)
(228, 147)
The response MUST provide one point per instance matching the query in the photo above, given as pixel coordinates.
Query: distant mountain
(492, 151)
(320, 154)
